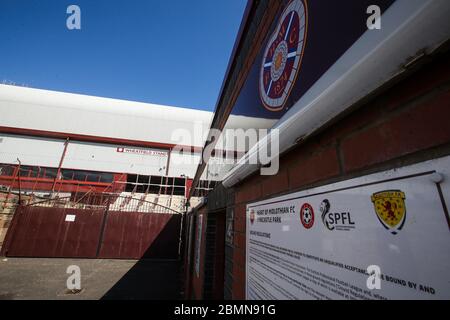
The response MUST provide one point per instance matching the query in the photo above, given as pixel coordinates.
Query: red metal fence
(136, 235)
(96, 227)
(43, 232)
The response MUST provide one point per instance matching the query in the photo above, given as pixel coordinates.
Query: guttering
(75, 137)
(88, 138)
(408, 27)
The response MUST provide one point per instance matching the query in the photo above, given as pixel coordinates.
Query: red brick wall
(218, 257)
(405, 124)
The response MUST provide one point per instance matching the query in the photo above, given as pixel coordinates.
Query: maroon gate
(113, 227)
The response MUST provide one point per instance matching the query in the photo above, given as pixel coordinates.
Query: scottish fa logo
(307, 216)
(390, 209)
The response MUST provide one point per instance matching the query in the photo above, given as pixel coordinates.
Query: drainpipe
(18, 177)
(167, 170)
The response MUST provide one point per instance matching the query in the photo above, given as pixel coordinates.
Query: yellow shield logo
(390, 208)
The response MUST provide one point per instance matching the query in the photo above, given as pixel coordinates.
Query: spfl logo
(341, 221)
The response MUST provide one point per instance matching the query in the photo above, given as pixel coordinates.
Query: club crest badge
(252, 216)
(283, 56)
(390, 209)
(307, 215)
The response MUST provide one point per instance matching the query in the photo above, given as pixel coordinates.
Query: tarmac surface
(46, 279)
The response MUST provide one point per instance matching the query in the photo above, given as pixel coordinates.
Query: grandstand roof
(68, 113)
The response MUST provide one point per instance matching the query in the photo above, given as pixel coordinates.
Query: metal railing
(104, 201)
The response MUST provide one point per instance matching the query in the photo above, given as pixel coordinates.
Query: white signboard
(319, 244)
(144, 152)
(70, 218)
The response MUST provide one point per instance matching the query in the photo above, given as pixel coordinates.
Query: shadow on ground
(112, 276)
(156, 275)
(148, 280)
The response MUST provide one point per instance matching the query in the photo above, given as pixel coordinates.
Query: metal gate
(101, 226)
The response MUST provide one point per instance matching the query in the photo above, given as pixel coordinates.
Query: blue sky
(158, 51)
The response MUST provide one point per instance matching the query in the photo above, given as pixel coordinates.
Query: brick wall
(5, 221)
(198, 282)
(8, 204)
(214, 256)
(407, 123)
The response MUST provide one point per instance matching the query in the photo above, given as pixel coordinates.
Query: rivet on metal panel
(437, 177)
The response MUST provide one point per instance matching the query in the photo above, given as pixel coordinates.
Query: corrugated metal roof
(52, 111)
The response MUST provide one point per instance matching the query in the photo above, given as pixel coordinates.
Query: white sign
(143, 152)
(319, 244)
(70, 218)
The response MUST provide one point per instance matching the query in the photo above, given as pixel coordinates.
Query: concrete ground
(37, 278)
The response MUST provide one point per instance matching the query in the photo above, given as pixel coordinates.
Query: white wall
(30, 151)
(104, 157)
(83, 156)
(183, 164)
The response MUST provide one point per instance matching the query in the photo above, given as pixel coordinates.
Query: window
(35, 172)
(92, 176)
(106, 177)
(6, 170)
(67, 174)
(204, 187)
(155, 185)
(50, 173)
(131, 182)
(79, 175)
(24, 171)
(178, 191)
(156, 180)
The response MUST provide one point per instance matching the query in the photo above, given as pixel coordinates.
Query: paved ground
(35, 278)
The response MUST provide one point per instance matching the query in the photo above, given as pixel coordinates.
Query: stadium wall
(406, 124)
(403, 123)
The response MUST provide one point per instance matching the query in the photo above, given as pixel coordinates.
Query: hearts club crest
(283, 56)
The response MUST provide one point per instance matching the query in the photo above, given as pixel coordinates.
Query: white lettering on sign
(70, 218)
(145, 152)
(383, 236)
